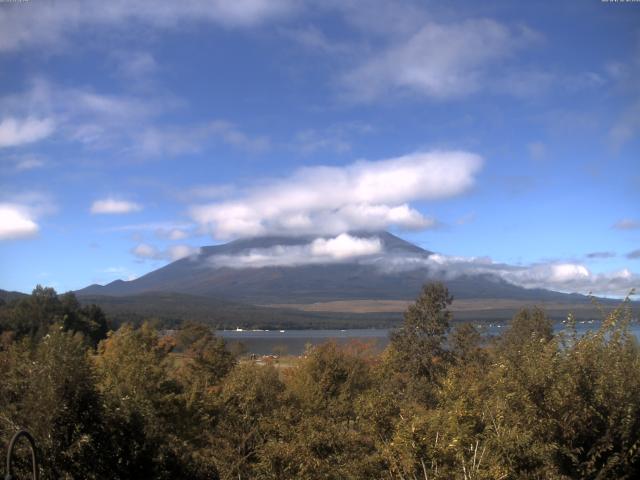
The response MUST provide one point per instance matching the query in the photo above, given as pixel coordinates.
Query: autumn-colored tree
(144, 403)
(49, 388)
(250, 395)
(529, 404)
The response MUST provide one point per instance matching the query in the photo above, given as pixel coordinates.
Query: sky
(505, 136)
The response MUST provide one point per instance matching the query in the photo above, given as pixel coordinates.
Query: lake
(293, 342)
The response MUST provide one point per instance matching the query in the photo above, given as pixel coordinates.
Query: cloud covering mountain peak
(324, 200)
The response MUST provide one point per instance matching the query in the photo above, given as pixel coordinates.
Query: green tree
(50, 389)
(418, 353)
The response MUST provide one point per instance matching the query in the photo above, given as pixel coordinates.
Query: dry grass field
(393, 306)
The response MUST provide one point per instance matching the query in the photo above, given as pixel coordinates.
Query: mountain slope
(315, 282)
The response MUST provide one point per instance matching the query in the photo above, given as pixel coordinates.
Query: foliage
(33, 315)
(418, 350)
(436, 404)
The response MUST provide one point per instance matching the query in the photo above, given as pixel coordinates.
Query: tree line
(437, 403)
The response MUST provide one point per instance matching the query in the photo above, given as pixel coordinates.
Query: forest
(440, 402)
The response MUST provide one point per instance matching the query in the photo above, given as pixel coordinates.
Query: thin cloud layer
(14, 132)
(49, 22)
(599, 255)
(438, 60)
(145, 251)
(627, 224)
(129, 123)
(331, 200)
(110, 206)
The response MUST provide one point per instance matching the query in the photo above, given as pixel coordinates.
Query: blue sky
(493, 133)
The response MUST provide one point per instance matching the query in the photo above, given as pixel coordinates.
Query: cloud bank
(559, 276)
(326, 200)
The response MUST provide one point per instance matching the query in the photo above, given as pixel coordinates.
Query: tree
(249, 396)
(206, 358)
(33, 316)
(50, 389)
(144, 402)
(418, 349)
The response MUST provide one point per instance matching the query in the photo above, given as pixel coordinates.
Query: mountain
(7, 296)
(303, 284)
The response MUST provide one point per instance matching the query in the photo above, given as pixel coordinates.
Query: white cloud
(81, 115)
(14, 132)
(567, 272)
(438, 60)
(341, 248)
(114, 206)
(126, 122)
(573, 278)
(345, 246)
(559, 276)
(20, 211)
(48, 23)
(331, 200)
(16, 222)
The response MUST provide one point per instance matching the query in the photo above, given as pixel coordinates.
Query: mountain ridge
(313, 282)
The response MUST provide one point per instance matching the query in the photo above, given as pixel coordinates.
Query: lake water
(293, 342)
